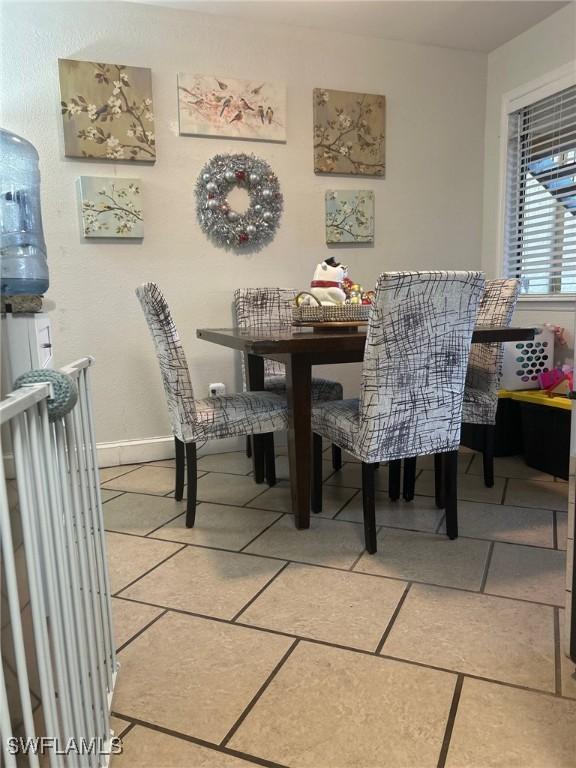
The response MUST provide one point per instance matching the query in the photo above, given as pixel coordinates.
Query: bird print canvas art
(243, 109)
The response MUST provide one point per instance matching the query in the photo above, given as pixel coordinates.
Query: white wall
(541, 49)
(428, 208)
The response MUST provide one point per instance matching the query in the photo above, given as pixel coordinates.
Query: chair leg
(179, 493)
(248, 447)
(270, 459)
(192, 476)
(488, 455)
(394, 468)
(439, 480)
(369, 507)
(316, 500)
(258, 457)
(409, 479)
(336, 457)
(451, 493)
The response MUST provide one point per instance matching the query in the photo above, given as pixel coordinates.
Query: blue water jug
(23, 265)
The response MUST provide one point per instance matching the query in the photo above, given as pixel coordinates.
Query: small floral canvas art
(246, 109)
(349, 216)
(107, 111)
(348, 133)
(111, 207)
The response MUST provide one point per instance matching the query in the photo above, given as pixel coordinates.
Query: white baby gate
(62, 663)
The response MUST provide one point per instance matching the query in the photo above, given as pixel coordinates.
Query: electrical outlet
(216, 390)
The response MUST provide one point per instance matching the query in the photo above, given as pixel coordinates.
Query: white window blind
(540, 231)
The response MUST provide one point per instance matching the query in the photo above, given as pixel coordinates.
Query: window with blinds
(540, 230)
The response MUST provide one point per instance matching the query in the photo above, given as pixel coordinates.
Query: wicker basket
(336, 313)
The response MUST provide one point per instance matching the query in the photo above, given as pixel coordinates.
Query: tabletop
(292, 340)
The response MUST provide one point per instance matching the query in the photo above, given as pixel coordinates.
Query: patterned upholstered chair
(485, 367)
(413, 379)
(269, 308)
(196, 421)
(482, 382)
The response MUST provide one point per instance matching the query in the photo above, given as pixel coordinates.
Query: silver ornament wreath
(226, 227)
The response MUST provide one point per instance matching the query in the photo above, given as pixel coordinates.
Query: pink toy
(556, 380)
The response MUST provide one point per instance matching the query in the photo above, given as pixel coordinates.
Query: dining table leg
(299, 397)
(254, 367)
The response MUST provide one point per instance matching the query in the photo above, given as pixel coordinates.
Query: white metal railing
(58, 518)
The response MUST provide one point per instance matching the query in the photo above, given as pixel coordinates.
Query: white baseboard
(155, 449)
(150, 449)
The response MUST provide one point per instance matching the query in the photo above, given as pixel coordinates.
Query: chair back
(485, 362)
(173, 365)
(415, 361)
(265, 309)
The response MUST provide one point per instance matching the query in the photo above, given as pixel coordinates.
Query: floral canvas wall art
(349, 133)
(107, 111)
(111, 207)
(349, 216)
(247, 109)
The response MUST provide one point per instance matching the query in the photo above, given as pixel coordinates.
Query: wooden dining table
(300, 348)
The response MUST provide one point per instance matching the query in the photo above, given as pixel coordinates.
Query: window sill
(565, 303)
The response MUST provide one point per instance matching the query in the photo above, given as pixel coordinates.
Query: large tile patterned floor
(246, 642)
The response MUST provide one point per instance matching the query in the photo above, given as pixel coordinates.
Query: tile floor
(246, 642)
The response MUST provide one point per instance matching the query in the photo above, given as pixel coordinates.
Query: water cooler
(26, 338)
